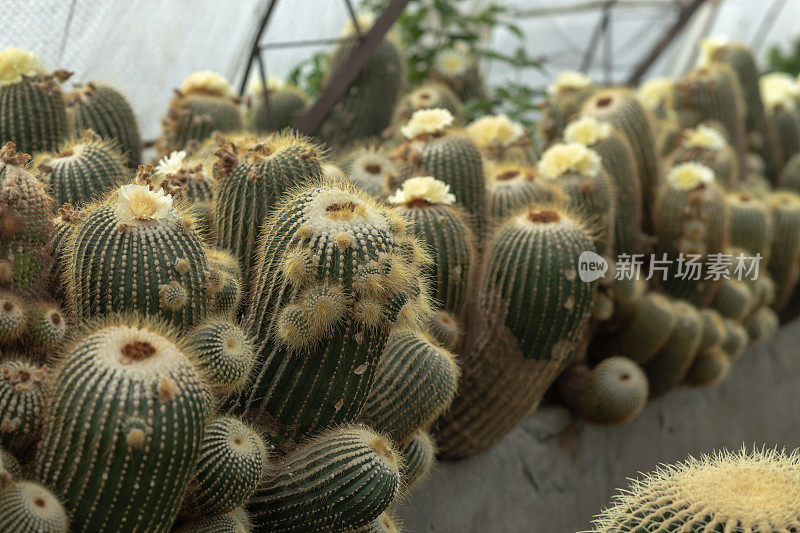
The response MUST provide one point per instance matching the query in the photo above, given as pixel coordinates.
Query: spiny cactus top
(370, 169)
(26, 227)
(124, 427)
(26, 506)
(565, 96)
(106, 111)
(429, 96)
(512, 186)
(22, 401)
(84, 168)
(708, 146)
(744, 491)
(135, 251)
(335, 270)
(32, 111)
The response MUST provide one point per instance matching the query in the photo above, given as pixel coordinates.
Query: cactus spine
(26, 506)
(22, 401)
(135, 252)
(32, 111)
(224, 354)
(370, 170)
(333, 274)
(13, 318)
(510, 187)
(534, 310)
(251, 177)
(225, 277)
(419, 458)
(83, 169)
(342, 479)
(123, 430)
(106, 111)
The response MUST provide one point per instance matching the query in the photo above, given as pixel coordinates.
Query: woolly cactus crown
(16, 63)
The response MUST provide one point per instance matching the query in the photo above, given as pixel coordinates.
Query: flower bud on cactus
(335, 271)
(613, 392)
(136, 252)
(251, 177)
(108, 113)
(713, 493)
(83, 168)
(414, 384)
(22, 402)
(669, 366)
(533, 313)
(26, 506)
(184, 177)
(370, 170)
(26, 227)
(224, 354)
(32, 111)
(511, 187)
(342, 479)
(125, 424)
(233, 459)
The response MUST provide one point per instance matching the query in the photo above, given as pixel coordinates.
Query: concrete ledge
(552, 474)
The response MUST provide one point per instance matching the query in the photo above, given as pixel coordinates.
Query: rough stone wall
(552, 474)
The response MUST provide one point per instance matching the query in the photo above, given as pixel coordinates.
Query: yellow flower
(495, 130)
(427, 121)
(688, 176)
(569, 157)
(704, 137)
(709, 47)
(423, 188)
(779, 89)
(137, 203)
(206, 82)
(15, 63)
(452, 62)
(568, 79)
(656, 92)
(587, 131)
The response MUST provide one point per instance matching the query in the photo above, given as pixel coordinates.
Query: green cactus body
(367, 106)
(47, 327)
(561, 106)
(123, 430)
(135, 252)
(613, 392)
(444, 231)
(762, 135)
(784, 255)
(749, 223)
(534, 311)
(736, 339)
(279, 110)
(621, 108)
(713, 93)
(236, 521)
(733, 299)
(786, 124)
(184, 177)
(415, 383)
(710, 367)
(32, 112)
(84, 169)
(668, 136)
(419, 458)
(194, 117)
(718, 157)
(223, 353)
(233, 459)
(650, 326)
(371, 170)
(22, 402)
(106, 111)
(26, 506)
(713, 329)
(669, 366)
(617, 158)
(333, 274)
(385, 523)
(10, 469)
(64, 222)
(342, 479)
(429, 95)
(251, 178)
(690, 218)
(510, 187)
(227, 291)
(790, 175)
(13, 318)
(761, 325)
(452, 157)
(26, 227)
(713, 493)
(445, 328)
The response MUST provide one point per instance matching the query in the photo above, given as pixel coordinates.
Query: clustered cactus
(270, 332)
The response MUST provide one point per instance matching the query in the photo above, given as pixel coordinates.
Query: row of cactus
(262, 332)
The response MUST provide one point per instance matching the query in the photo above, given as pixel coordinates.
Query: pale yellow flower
(704, 137)
(452, 62)
(427, 121)
(655, 92)
(206, 82)
(16, 63)
(569, 157)
(687, 176)
(587, 131)
(137, 203)
(423, 188)
(568, 79)
(495, 130)
(779, 89)
(171, 164)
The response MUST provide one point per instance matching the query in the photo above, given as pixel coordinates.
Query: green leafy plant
(788, 62)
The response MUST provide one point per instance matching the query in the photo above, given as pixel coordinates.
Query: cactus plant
(707, 146)
(780, 93)
(790, 175)
(385, 523)
(135, 251)
(415, 383)
(713, 493)
(22, 401)
(621, 108)
(430, 95)
(650, 325)
(733, 299)
(656, 94)
(458, 67)
(224, 354)
(784, 255)
(370, 169)
(443, 229)
(749, 223)
(232, 461)
(178, 173)
(83, 168)
(736, 339)
(13, 318)
(333, 274)
(342, 479)
(26, 506)
(565, 97)
(125, 424)
(47, 326)
(236, 521)
(501, 139)
(108, 113)
(366, 108)
(712, 332)
(419, 457)
(251, 177)
(533, 313)
(10, 469)
(434, 149)
(32, 111)
(277, 107)
(510, 187)
(26, 227)
(709, 367)
(613, 392)
(617, 159)
(225, 277)
(204, 103)
(761, 325)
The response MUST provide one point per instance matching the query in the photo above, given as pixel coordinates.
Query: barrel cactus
(707, 146)
(565, 97)
(419, 457)
(670, 364)
(457, 66)
(781, 94)
(22, 402)
(510, 187)
(429, 96)
(26, 506)
(223, 353)
(370, 169)
(276, 106)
